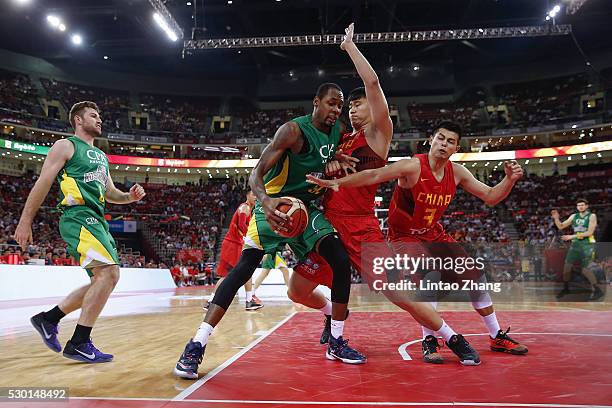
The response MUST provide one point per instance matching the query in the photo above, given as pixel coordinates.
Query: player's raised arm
(490, 195)
(58, 155)
(116, 196)
(286, 137)
(244, 213)
(558, 223)
(399, 169)
(374, 93)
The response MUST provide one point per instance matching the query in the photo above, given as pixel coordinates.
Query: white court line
(188, 391)
(402, 349)
(353, 403)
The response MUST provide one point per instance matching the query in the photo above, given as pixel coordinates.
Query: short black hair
(449, 125)
(582, 200)
(357, 93)
(323, 89)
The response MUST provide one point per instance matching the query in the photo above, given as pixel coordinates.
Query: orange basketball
(299, 215)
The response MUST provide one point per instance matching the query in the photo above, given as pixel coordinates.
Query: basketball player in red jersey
(426, 186)
(351, 210)
(232, 248)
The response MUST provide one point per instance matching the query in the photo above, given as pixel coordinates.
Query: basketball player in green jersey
(85, 184)
(582, 249)
(272, 261)
(301, 146)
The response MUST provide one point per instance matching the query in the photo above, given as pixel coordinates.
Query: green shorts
(273, 261)
(261, 236)
(88, 238)
(579, 252)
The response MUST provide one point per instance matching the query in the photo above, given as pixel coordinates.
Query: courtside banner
(181, 163)
(407, 270)
(250, 163)
(534, 153)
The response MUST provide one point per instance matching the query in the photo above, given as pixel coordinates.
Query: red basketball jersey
(415, 210)
(233, 233)
(355, 200)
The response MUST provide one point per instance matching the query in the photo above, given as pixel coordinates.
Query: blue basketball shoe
(86, 353)
(338, 349)
(187, 366)
(48, 331)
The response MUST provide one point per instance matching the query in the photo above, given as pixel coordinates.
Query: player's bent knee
(110, 274)
(293, 295)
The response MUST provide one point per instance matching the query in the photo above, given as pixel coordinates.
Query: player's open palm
(513, 170)
(137, 193)
(23, 235)
(348, 37)
(322, 182)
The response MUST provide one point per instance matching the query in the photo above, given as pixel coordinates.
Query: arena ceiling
(124, 31)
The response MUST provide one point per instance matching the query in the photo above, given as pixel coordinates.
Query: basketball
(298, 213)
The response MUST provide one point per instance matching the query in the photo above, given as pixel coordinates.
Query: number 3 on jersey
(430, 214)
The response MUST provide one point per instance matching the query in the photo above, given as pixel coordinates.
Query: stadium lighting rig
(166, 21)
(389, 37)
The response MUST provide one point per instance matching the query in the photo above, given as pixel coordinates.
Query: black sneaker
(431, 350)
(252, 305)
(326, 330)
(564, 291)
(467, 355)
(187, 366)
(596, 294)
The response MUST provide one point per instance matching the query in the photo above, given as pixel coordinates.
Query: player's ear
(316, 101)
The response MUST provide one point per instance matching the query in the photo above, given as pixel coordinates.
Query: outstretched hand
(348, 37)
(333, 184)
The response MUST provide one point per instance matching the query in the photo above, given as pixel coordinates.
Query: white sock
(327, 309)
(427, 332)
(249, 295)
(203, 332)
(337, 327)
(492, 324)
(210, 298)
(446, 331)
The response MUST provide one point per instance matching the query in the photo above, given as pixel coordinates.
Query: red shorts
(352, 230)
(443, 246)
(433, 234)
(230, 255)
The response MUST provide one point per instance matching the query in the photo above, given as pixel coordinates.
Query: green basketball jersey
(288, 176)
(581, 224)
(84, 178)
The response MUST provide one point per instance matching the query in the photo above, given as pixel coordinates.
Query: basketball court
(272, 357)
